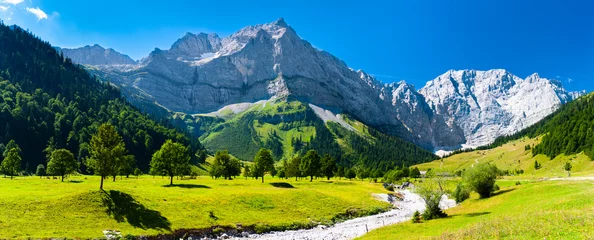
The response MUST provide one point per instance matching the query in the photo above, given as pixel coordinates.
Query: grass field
(535, 210)
(512, 156)
(42, 208)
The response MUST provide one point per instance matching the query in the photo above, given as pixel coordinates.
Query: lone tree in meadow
(292, 169)
(107, 150)
(567, 167)
(40, 170)
(12, 162)
(481, 178)
(310, 164)
(172, 159)
(328, 166)
(62, 163)
(263, 162)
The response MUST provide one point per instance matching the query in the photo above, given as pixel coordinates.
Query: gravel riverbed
(359, 226)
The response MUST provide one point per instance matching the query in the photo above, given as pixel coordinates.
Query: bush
(461, 193)
(518, 183)
(416, 217)
(432, 196)
(481, 179)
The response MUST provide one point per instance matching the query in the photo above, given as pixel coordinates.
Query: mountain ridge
(270, 60)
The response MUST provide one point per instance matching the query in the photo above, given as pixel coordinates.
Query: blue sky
(411, 40)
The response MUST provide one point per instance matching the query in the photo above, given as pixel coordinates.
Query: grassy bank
(515, 156)
(536, 210)
(42, 208)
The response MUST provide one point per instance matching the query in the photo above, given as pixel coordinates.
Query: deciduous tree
(310, 164)
(12, 162)
(328, 166)
(62, 163)
(263, 162)
(172, 159)
(106, 151)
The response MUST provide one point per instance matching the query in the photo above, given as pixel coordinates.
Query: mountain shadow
(123, 207)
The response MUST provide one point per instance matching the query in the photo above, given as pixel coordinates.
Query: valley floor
(31, 207)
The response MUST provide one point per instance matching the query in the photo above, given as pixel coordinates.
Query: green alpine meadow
(296, 120)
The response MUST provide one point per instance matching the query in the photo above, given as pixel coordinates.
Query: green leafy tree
(40, 170)
(263, 162)
(293, 168)
(536, 165)
(481, 178)
(350, 174)
(431, 192)
(328, 166)
(247, 172)
(225, 166)
(567, 167)
(414, 173)
(11, 145)
(363, 173)
(310, 164)
(12, 163)
(172, 159)
(461, 193)
(62, 163)
(106, 151)
(126, 165)
(137, 172)
(340, 172)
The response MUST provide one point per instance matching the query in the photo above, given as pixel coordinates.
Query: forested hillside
(47, 102)
(291, 128)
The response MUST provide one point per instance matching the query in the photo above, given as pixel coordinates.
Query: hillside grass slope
(533, 210)
(514, 156)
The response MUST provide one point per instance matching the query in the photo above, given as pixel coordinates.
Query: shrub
(432, 196)
(481, 179)
(416, 217)
(461, 193)
(518, 183)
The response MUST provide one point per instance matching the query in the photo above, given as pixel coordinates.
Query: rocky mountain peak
(96, 55)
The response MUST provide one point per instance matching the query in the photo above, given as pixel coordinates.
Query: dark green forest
(47, 102)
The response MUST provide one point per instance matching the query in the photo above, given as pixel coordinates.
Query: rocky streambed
(404, 209)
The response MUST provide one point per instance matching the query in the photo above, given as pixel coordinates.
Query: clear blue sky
(411, 40)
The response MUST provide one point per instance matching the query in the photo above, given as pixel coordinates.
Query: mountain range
(206, 83)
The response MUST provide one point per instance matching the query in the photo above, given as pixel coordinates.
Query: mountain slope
(202, 73)
(45, 99)
(291, 128)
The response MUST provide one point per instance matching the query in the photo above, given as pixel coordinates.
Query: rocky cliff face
(96, 55)
(488, 104)
(202, 73)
